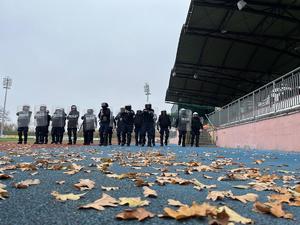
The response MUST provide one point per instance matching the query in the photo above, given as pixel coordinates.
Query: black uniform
(112, 123)
(120, 124)
(72, 125)
(195, 132)
(128, 120)
(138, 123)
(46, 129)
(147, 127)
(164, 124)
(104, 117)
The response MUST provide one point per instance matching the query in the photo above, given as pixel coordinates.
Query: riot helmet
(104, 105)
(73, 108)
(43, 108)
(26, 108)
(195, 114)
(90, 111)
(148, 106)
(122, 110)
(163, 112)
(128, 107)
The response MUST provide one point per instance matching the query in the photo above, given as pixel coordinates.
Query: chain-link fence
(280, 95)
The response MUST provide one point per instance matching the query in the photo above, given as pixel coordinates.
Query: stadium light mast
(7, 83)
(147, 91)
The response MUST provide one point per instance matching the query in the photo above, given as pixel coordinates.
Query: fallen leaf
(174, 202)
(133, 202)
(4, 176)
(139, 214)
(65, 197)
(195, 210)
(3, 193)
(233, 216)
(250, 197)
(218, 195)
(274, 208)
(26, 183)
(241, 186)
(60, 182)
(85, 184)
(105, 200)
(109, 188)
(149, 192)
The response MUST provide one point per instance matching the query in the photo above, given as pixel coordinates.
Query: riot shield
(73, 117)
(58, 118)
(41, 116)
(111, 119)
(185, 119)
(90, 120)
(24, 116)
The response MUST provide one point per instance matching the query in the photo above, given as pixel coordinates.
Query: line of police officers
(142, 123)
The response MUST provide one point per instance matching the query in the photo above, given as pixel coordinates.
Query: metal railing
(280, 95)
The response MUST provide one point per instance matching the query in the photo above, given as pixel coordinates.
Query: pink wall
(278, 133)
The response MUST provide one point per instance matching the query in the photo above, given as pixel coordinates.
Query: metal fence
(280, 95)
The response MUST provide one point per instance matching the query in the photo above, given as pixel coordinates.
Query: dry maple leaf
(148, 192)
(174, 202)
(109, 188)
(234, 216)
(241, 186)
(222, 218)
(274, 208)
(26, 183)
(281, 198)
(139, 214)
(3, 193)
(4, 176)
(85, 184)
(65, 197)
(133, 202)
(60, 182)
(297, 188)
(195, 210)
(215, 195)
(105, 200)
(249, 197)
(26, 166)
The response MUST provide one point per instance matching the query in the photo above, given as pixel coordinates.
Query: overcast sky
(84, 52)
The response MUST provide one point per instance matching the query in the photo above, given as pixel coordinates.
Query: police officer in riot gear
(58, 126)
(41, 118)
(89, 125)
(196, 127)
(163, 125)
(47, 128)
(147, 127)
(72, 124)
(138, 123)
(183, 124)
(153, 129)
(23, 123)
(120, 125)
(128, 120)
(104, 117)
(112, 123)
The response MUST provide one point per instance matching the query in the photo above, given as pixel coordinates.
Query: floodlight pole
(147, 91)
(7, 83)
